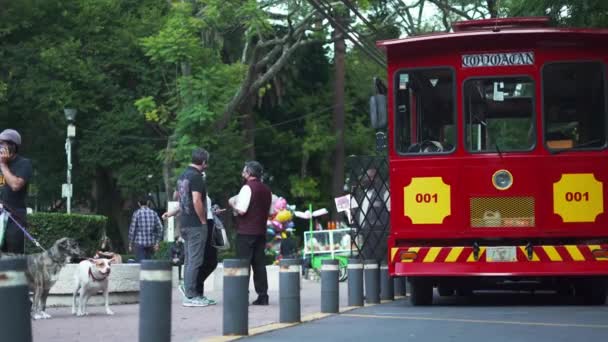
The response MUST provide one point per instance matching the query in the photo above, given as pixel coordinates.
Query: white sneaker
(194, 302)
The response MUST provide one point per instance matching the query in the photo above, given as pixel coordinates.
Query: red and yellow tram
(498, 158)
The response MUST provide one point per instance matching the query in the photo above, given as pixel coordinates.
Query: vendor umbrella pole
(310, 228)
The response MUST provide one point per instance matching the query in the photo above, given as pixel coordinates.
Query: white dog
(91, 278)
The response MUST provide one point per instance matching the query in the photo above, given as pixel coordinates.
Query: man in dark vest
(252, 205)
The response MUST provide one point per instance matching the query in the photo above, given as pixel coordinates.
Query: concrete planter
(124, 286)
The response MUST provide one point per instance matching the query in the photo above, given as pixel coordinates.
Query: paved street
(485, 317)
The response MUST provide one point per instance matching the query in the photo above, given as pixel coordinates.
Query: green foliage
(306, 188)
(573, 13)
(49, 227)
(164, 251)
(177, 41)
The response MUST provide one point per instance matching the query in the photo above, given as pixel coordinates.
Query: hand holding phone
(5, 154)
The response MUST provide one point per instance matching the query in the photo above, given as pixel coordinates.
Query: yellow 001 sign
(578, 197)
(426, 200)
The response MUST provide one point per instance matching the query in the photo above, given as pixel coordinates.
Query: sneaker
(182, 289)
(207, 300)
(195, 301)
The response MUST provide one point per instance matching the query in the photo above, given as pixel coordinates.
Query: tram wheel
(445, 291)
(593, 291)
(421, 292)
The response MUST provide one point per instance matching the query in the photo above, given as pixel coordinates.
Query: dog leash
(25, 232)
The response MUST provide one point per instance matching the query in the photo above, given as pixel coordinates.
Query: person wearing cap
(15, 173)
(252, 205)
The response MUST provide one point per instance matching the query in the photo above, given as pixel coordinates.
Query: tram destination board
(498, 59)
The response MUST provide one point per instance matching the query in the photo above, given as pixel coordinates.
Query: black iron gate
(368, 184)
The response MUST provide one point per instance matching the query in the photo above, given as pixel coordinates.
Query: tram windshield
(425, 111)
(499, 114)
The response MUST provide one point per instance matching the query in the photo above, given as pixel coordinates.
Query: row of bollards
(156, 287)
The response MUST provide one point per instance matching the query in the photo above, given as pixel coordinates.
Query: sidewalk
(188, 324)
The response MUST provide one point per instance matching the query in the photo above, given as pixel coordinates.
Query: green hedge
(49, 227)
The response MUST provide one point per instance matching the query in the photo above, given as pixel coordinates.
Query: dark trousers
(143, 253)
(14, 240)
(251, 247)
(209, 260)
(195, 241)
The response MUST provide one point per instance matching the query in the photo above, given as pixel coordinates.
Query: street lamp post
(66, 190)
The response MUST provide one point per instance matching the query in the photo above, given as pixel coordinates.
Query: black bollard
(355, 282)
(236, 297)
(330, 290)
(399, 284)
(289, 291)
(15, 322)
(372, 280)
(155, 301)
(387, 289)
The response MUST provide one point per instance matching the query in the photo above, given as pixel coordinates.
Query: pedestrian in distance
(145, 231)
(252, 206)
(15, 174)
(192, 210)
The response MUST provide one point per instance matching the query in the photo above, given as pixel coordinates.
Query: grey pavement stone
(188, 324)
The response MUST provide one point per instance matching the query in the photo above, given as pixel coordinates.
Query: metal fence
(368, 183)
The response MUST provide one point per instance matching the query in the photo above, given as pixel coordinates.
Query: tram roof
(525, 30)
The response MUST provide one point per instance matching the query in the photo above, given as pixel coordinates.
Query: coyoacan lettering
(498, 59)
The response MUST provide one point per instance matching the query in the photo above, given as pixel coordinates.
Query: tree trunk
(109, 202)
(338, 113)
(168, 166)
(248, 124)
(492, 8)
(304, 164)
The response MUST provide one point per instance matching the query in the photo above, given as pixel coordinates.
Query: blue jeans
(143, 252)
(194, 247)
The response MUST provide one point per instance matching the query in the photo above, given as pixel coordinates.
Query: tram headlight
(502, 179)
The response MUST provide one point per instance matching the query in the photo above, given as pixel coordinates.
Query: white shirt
(209, 211)
(242, 200)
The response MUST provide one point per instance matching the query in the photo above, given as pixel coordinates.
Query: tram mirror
(377, 111)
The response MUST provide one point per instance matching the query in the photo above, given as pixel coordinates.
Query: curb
(276, 326)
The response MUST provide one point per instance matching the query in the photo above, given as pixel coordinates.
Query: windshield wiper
(498, 150)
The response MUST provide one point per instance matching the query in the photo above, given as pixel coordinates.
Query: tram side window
(574, 108)
(425, 111)
(499, 114)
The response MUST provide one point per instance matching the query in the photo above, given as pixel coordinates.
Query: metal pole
(399, 283)
(387, 289)
(15, 322)
(289, 291)
(155, 301)
(330, 290)
(68, 150)
(355, 282)
(236, 297)
(372, 279)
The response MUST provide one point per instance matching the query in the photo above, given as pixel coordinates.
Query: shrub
(49, 227)
(164, 251)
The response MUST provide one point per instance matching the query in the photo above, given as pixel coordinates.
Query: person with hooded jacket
(15, 174)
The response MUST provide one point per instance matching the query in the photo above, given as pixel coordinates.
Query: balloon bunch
(278, 226)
